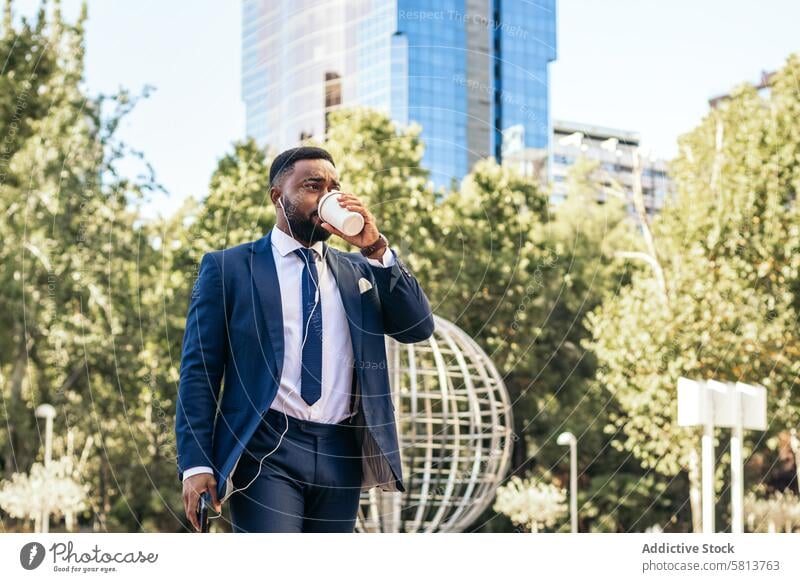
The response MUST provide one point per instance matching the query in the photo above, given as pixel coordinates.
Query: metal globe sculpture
(454, 427)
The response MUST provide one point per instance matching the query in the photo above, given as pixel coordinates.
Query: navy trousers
(311, 483)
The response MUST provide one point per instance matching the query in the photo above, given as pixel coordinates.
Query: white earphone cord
(302, 345)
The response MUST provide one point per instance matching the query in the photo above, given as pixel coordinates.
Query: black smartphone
(202, 511)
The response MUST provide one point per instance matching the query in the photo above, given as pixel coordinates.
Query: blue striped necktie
(311, 374)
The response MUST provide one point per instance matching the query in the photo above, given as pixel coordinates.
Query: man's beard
(304, 228)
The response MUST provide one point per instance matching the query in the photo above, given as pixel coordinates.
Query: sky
(189, 51)
(651, 65)
(641, 65)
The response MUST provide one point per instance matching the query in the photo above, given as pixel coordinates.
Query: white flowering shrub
(531, 503)
(779, 512)
(53, 488)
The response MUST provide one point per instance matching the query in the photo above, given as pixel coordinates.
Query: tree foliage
(94, 298)
(729, 247)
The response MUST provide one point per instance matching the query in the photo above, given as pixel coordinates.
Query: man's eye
(312, 186)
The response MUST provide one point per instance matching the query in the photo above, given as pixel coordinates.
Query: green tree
(70, 298)
(727, 250)
(519, 277)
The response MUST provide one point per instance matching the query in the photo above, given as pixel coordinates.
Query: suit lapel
(346, 279)
(267, 296)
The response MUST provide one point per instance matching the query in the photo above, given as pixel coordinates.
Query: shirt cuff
(387, 260)
(196, 471)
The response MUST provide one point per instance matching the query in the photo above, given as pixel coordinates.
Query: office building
(613, 149)
(470, 72)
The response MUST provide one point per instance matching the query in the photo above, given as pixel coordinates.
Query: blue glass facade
(436, 58)
(524, 44)
(465, 70)
(373, 67)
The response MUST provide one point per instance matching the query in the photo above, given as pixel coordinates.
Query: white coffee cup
(347, 221)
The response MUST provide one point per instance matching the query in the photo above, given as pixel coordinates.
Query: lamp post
(47, 412)
(567, 438)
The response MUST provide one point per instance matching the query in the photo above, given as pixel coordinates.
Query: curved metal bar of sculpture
(454, 428)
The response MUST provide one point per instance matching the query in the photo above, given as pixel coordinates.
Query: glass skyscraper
(472, 73)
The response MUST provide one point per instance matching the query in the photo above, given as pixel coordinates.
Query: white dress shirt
(337, 351)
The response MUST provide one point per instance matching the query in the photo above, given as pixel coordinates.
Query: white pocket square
(364, 285)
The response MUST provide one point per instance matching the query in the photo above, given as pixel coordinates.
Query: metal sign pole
(708, 470)
(573, 485)
(736, 406)
(737, 466)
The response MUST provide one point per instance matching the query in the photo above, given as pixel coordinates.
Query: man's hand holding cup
(350, 203)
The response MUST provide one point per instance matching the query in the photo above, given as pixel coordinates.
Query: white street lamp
(47, 412)
(564, 439)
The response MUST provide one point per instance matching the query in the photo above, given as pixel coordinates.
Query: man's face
(301, 191)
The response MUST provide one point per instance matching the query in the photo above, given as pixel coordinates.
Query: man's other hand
(193, 487)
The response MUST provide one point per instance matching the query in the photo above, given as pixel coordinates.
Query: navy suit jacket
(234, 336)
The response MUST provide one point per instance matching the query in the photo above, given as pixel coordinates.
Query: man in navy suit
(305, 421)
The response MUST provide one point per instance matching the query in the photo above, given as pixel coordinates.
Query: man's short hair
(284, 162)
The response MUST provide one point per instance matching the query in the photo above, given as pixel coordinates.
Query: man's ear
(274, 194)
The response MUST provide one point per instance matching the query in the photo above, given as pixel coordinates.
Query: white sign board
(723, 403)
(754, 406)
(701, 401)
(693, 407)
